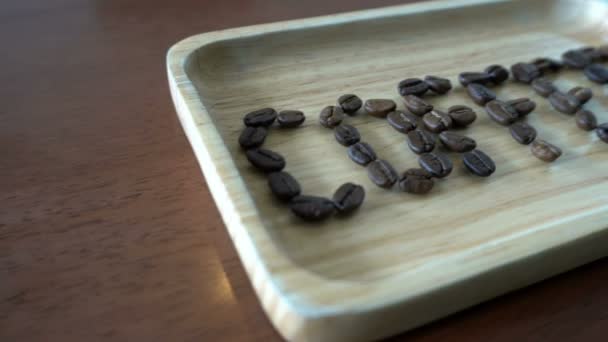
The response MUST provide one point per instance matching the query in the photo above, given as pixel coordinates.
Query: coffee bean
(311, 208)
(416, 181)
(437, 121)
(603, 52)
(522, 106)
(412, 86)
(546, 65)
(462, 116)
(602, 132)
(402, 121)
(350, 103)
(479, 163)
(525, 72)
(290, 118)
(331, 116)
(416, 105)
(265, 160)
(283, 185)
(438, 85)
(501, 112)
(545, 151)
(381, 173)
(348, 197)
(420, 141)
(585, 120)
(467, 78)
(583, 95)
(361, 153)
(347, 134)
(457, 142)
(593, 53)
(437, 164)
(597, 73)
(543, 86)
(261, 117)
(480, 94)
(252, 137)
(576, 59)
(522, 132)
(564, 103)
(498, 72)
(379, 107)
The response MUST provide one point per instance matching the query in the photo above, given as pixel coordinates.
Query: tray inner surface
(398, 233)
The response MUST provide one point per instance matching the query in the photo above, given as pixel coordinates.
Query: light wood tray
(402, 260)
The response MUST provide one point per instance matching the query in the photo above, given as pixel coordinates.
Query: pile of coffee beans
(425, 126)
(283, 185)
(509, 113)
(572, 101)
(381, 172)
(422, 134)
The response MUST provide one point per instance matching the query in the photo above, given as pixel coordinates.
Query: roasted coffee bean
(593, 53)
(312, 208)
(331, 116)
(603, 52)
(420, 141)
(576, 59)
(498, 72)
(545, 151)
(462, 116)
(283, 185)
(402, 121)
(525, 72)
(416, 181)
(467, 78)
(522, 132)
(480, 94)
(582, 94)
(501, 112)
(543, 86)
(564, 103)
(456, 142)
(252, 137)
(347, 134)
(350, 103)
(585, 120)
(348, 197)
(381, 173)
(437, 164)
(379, 107)
(412, 86)
(438, 85)
(437, 121)
(479, 163)
(290, 118)
(546, 65)
(597, 73)
(265, 160)
(261, 117)
(602, 132)
(361, 153)
(416, 105)
(522, 106)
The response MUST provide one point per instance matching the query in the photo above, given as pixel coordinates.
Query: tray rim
(296, 317)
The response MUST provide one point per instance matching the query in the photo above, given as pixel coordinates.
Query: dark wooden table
(107, 230)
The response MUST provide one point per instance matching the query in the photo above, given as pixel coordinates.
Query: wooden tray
(402, 260)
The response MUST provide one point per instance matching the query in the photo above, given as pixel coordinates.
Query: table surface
(107, 230)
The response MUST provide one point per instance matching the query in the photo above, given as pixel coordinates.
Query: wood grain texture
(107, 231)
